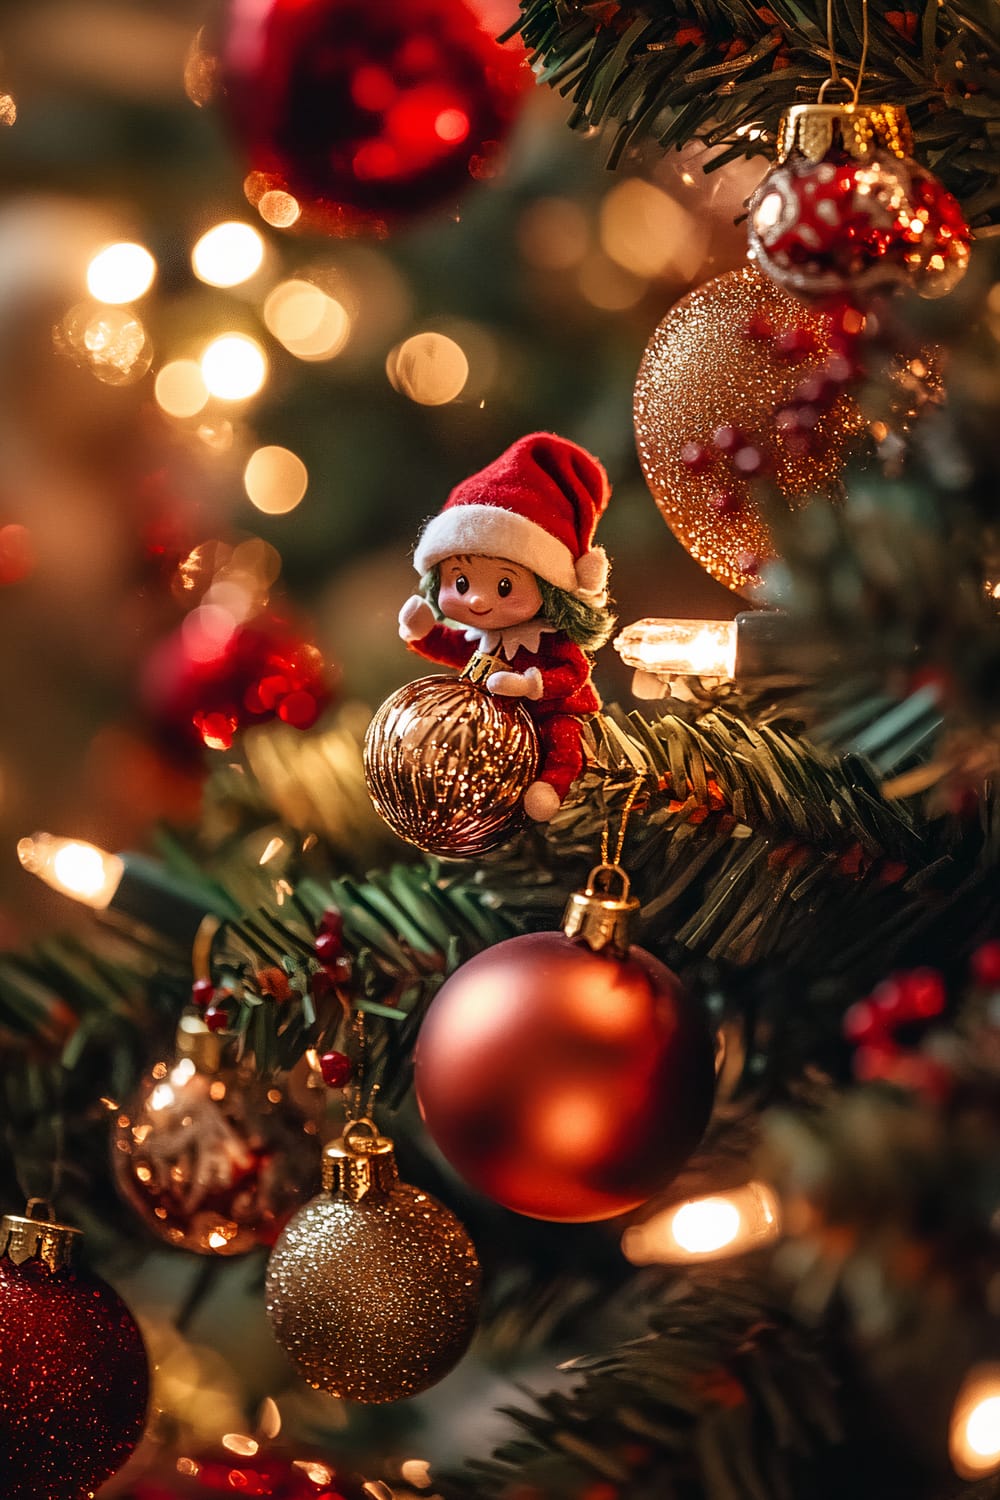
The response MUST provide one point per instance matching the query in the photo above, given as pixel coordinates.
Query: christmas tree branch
(722, 71)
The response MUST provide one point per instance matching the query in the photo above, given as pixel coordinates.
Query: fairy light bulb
(233, 367)
(228, 254)
(974, 1438)
(708, 1228)
(680, 648)
(121, 273)
(72, 867)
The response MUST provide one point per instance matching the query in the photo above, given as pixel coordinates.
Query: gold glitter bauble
(447, 765)
(706, 369)
(373, 1288)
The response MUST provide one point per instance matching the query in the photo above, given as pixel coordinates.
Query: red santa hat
(538, 504)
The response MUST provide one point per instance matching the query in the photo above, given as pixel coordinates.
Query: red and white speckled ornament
(74, 1379)
(846, 209)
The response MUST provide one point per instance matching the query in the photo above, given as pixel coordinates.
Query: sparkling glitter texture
(74, 1379)
(213, 1157)
(373, 1289)
(277, 1474)
(704, 371)
(447, 765)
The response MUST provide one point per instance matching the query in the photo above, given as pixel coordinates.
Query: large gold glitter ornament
(719, 371)
(447, 764)
(373, 1288)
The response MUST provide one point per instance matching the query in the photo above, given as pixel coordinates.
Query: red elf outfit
(536, 505)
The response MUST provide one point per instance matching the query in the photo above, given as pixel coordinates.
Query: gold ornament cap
(35, 1235)
(360, 1164)
(480, 666)
(813, 130)
(596, 917)
(205, 1048)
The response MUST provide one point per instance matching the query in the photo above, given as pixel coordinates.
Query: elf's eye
(504, 587)
(461, 584)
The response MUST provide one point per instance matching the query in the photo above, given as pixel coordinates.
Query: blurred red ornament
(222, 1471)
(846, 210)
(213, 678)
(213, 1157)
(985, 964)
(563, 1082)
(74, 1380)
(366, 114)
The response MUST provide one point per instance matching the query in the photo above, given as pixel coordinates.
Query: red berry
(889, 998)
(876, 1060)
(985, 964)
(216, 1019)
(748, 460)
(335, 1068)
(728, 439)
(202, 992)
(696, 457)
(923, 994)
(328, 947)
(332, 921)
(726, 502)
(320, 985)
(341, 970)
(863, 1023)
(794, 345)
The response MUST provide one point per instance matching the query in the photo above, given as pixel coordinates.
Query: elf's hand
(416, 619)
(516, 684)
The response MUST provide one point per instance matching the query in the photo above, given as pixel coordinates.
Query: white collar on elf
(509, 641)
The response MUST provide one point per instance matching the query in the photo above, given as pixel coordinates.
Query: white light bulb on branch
(128, 888)
(72, 867)
(707, 1228)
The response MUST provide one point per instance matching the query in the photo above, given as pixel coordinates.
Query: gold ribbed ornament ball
(447, 765)
(373, 1288)
(704, 370)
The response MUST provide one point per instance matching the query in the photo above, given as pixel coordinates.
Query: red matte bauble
(277, 1474)
(366, 114)
(563, 1083)
(74, 1382)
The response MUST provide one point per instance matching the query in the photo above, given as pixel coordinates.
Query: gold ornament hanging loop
(835, 75)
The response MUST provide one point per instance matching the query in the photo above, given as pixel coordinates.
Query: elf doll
(510, 560)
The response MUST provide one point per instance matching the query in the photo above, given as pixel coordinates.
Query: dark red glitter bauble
(366, 114)
(74, 1382)
(563, 1083)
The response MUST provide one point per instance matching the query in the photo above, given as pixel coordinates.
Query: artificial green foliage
(721, 74)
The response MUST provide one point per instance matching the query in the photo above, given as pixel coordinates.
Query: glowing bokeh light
(279, 209)
(234, 367)
(275, 480)
(121, 273)
(310, 324)
(228, 254)
(180, 388)
(429, 368)
(974, 1437)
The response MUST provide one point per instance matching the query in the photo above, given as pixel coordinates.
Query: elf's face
(488, 592)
